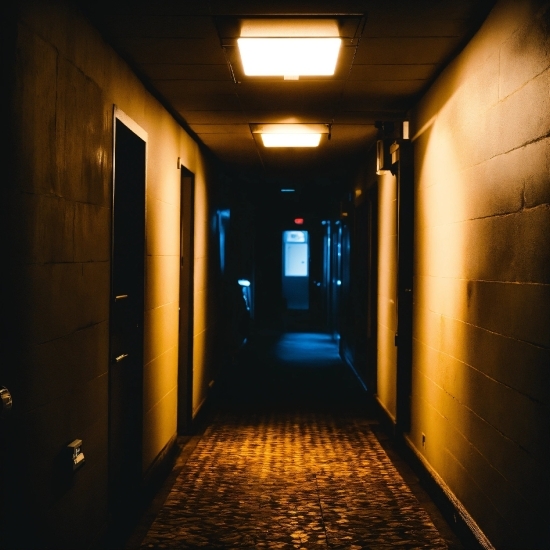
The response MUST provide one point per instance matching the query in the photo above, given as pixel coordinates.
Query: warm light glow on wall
(291, 140)
(387, 295)
(289, 57)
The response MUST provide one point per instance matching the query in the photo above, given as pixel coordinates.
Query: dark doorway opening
(126, 316)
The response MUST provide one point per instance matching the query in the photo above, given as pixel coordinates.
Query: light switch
(76, 454)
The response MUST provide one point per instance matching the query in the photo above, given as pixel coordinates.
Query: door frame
(130, 124)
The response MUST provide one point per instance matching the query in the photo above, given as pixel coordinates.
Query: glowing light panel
(291, 140)
(290, 57)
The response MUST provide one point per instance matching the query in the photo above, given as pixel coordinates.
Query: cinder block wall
(59, 205)
(481, 365)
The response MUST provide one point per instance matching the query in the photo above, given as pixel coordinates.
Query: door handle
(5, 401)
(121, 357)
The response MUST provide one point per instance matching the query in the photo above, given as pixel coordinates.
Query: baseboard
(450, 506)
(386, 418)
(465, 527)
(349, 362)
(120, 526)
(203, 413)
(161, 466)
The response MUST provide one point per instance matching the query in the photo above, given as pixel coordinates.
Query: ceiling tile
(381, 94)
(223, 129)
(383, 88)
(138, 25)
(291, 96)
(427, 9)
(237, 141)
(384, 27)
(368, 116)
(174, 71)
(174, 50)
(213, 116)
(198, 102)
(205, 88)
(405, 50)
(162, 7)
(393, 72)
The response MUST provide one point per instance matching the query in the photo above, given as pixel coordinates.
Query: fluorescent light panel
(291, 140)
(289, 56)
(290, 135)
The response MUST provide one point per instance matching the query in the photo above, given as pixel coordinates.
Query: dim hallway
(148, 223)
(290, 459)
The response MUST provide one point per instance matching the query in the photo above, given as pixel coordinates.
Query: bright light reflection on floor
(308, 349)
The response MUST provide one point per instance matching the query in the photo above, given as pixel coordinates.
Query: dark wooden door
(403, 168)
(126, 321)
(372, 288)
(185, 360)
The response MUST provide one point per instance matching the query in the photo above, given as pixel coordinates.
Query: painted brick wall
(481, 365)
(59, 204)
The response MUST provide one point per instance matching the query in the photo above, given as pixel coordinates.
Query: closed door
(403, 169)
(126, 320)
(185, 360)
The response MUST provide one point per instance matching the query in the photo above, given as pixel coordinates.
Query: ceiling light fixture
(291, 140)
(289, 57)
(290, 135)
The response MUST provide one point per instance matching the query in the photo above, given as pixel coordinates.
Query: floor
(291, 458)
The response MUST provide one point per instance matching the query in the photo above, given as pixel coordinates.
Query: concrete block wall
(481, 364)
(67, 81)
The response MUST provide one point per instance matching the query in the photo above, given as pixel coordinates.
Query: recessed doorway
(126, 314)
(296, 269)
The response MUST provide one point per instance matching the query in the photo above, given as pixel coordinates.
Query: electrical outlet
(423, 440)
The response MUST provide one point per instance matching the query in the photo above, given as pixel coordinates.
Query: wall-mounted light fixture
(289, 47)
(290, 135)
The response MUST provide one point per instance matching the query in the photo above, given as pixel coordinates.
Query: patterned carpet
(292, 476)
(291, 481)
